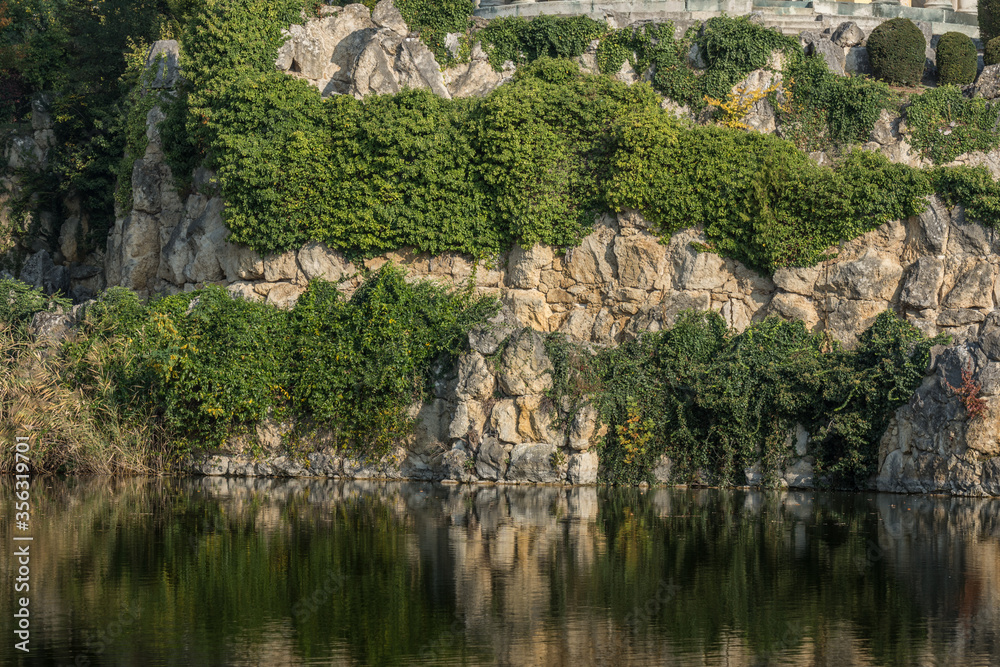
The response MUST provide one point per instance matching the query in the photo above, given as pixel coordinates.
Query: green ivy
(758, 198)
(213, 366)
(716, 402)
(521, 41)
(846, 107)
(945, 124)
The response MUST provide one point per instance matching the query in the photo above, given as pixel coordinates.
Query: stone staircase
(790, 18)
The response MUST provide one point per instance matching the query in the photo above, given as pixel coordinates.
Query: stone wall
(493, 423)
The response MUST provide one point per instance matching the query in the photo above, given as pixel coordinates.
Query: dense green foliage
(716, 402)
(213, 366)
(385, 172)
(944, 124)
(759, 199)
(730, 47)
(988, 12)
(19, 302)
(974, 189)
(896, 49)
(828, 108)
(956, 59)
(991, 53)
(520, 41)
(77, 50)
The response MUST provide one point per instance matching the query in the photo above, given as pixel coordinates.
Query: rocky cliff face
(937, 269)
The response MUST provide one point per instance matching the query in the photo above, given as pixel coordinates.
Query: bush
(957, 59)
(945, 124)
(847, 107)
(521, 41)
(19, 302)
(759, 199)
(989, 20)
(716, 401)
(212, 366)
(991, 54)
(897, 49)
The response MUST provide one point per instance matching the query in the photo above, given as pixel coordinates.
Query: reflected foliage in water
(214, 571)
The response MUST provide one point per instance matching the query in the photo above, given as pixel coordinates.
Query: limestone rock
(432, 423)
(284, 295)
(134, 252)
(663, 472)
(389, 63)
(325, 51)
(468, 422)
(486, 338)
(456, 465)
(40, 271)
(475, 380)
(856, 61)
(165, 55)
(582, 468)
(529, 307)
(535, 462)
(51, 327)
(240, 262)
(491, 460)
(831, 53)
(799, 280)
(386, 15)
(503, 421)
(987, 84)
(869, 277)
(923, 283)
(281, 267)
(642, 261)
(594, 260)
(525, 367)
(848, 34)
(933, 227)
(974, 286)
(318, 261)
(191, 255)
(524, 266)
(794, 307)
(585, 428)
(800, 475)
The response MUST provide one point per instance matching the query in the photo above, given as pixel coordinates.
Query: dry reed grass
(81, 431)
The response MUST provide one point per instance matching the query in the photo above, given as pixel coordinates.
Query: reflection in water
(216, 571)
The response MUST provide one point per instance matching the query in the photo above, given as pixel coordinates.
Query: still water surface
(266, 572)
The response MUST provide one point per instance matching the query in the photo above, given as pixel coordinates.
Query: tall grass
(78, 430)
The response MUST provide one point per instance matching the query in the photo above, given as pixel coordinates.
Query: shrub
(991, 54)
(521, 41)
(19, 302)
(896, 49)
(759, 199)
(847, 107)
(945, 124)
(715, 401)
(956, 59)
(989, 20)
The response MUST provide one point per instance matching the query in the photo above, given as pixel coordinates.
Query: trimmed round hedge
(989, 19)
(991, 54)
(956, 59)
(896, 49)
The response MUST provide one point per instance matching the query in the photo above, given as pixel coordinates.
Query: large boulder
(525, 367)
(536, 462)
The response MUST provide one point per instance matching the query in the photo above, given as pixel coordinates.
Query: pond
(286, 572)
